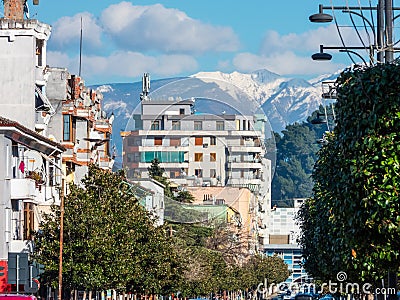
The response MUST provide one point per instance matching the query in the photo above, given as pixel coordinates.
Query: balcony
(102, 126)
(247, 149)
(244, 165)
(39, 75)
(23, 188)
(170, 165)
(163, 148)
(244, 181)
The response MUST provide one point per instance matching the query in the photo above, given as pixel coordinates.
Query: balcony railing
(23, 188)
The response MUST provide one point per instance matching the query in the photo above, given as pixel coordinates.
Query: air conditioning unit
(205, 145)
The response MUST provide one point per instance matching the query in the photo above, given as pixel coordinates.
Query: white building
(282, 232)
(29, 178)
(200, 149)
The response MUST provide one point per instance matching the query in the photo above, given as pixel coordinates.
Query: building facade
(200, 149)
(30, 177)
(51, 128)
(282, 232)
(79, 123)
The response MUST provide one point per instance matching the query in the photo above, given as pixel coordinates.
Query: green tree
(157, 173)
(184, 197)
(110, 240)
(296, 155)
(354, 211)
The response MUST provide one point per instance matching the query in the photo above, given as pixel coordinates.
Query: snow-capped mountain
(283, 100)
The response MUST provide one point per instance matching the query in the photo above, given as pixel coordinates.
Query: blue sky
(124, 39)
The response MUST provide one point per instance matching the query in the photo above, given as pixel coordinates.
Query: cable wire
(339, 33)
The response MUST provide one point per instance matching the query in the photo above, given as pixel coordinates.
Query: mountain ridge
(283, 100)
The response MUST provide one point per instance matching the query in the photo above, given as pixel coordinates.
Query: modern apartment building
(196, 149)
(283, 232)
(199, 149)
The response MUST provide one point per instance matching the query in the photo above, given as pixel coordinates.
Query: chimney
(14, 9)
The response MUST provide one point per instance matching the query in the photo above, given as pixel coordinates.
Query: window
(175, 142)
(174, 174)
(198, 125)
(29, 221)
(220, 125)
(198, 173)
(213, 140)
(66, 127)
(198, 141)
(213, 156)
(176, 125)
(213, 173)
(181, 111)
(134, 141)
(155, 125)
(244, 125)
(198, 157)
(163, 156)
(157, 141)
(241, 173)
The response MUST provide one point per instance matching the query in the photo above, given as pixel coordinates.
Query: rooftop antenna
(145, 87)
(80, 51)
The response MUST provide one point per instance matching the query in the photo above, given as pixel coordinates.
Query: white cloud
(283, 63)
(156, 28)
(290, 54)
(310, 40)
(66, 32)
(126, 64)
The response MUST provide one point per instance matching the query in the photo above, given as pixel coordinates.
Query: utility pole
(389, 31)
(61, 240)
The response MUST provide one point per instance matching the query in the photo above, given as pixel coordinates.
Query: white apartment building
(199, 149)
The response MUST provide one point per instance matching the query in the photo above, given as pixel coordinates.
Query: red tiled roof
(4, 122)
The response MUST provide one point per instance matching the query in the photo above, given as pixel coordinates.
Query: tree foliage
(296, 155)
(352, 221)
(110, 241)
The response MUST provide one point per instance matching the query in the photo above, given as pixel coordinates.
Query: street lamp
(382, 32)
(321, 55)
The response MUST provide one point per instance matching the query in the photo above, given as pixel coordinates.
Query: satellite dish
(34, 160)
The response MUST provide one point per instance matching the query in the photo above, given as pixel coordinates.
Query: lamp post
(382, 32)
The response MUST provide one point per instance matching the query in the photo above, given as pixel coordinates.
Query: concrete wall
(18, 62)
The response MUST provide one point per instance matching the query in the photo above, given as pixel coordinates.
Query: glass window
(220, 125)
(175, 142)
(176, 125)
(198, 157)
(163, 156)
(155, 125)
(181, 111)
(213, 173)
(198, 125)
(174, 174)
(213, 140)
(198, 141)
(213, 156)
(198, 173)
(157, 141)
(66, 127)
